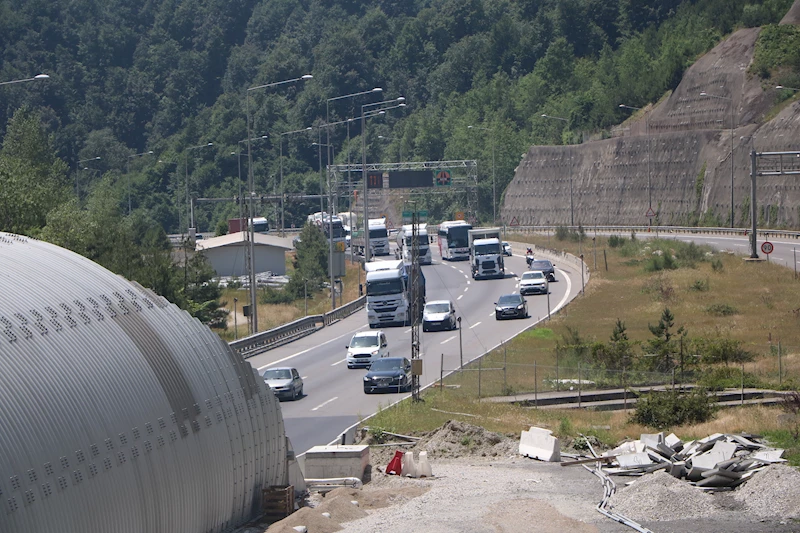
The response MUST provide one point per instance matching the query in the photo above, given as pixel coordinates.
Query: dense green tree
(310, 262)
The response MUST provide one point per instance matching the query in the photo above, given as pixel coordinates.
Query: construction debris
(540, 443)
(717, 462)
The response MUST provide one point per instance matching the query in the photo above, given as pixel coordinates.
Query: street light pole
(494, 181)
(401, 100)
(189, 208)
(251, 234)
(730, 98)
(128, 173)
(37, 77)
(647, 134)
(571, 202)
(78, 173)
(283, 220)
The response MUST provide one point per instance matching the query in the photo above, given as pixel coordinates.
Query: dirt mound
(661, 497)
(793, 15)
(460, 439)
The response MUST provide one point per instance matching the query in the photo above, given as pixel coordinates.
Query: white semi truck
(404, 243)
(486, 253)
(389, 293)
(377, 236)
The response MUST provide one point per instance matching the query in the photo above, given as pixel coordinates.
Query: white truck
(377, 236)
(404, 243)
(389, 293)
(486, 253)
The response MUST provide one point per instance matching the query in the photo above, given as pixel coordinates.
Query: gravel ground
(480, 484)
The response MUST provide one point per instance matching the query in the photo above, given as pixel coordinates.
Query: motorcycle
(529, 257)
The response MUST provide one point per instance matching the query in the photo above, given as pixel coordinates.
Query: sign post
(767, 248)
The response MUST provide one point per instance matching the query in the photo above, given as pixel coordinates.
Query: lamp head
(306, 77)
(544, 114)
(703, 93)
(41, 77)
(779, 86)
(401, 98)
(377, 90)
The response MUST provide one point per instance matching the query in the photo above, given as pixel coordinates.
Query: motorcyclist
(529, 257)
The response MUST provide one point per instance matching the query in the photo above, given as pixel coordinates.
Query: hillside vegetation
(146, 104)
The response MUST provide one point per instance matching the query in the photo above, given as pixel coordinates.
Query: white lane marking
(491, 314)
(359, 328)
(460, 296)
(468, 282)
(466, 276)
(448, 339)
(474, 325)
(741, 245)
(407, 331)
(323, 404)
(339, 362)
(466, 289)
(304, 378)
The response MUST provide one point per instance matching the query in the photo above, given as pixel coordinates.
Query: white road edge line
(323, 404)
(448, 339)
(339, 362)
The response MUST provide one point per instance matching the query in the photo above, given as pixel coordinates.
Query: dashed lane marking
(323, 404)
(474, 325)
(448, 339)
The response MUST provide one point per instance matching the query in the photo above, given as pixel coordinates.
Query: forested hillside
(171, 76)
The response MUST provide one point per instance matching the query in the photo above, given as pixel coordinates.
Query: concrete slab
(673, 442)
(769, 456)
(634, 460)
(539, 443)
(721, 451)
(323, 462)
(652, 439)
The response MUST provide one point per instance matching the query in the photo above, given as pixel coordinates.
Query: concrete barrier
(540, 444)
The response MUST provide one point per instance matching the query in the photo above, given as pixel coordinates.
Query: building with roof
(122, 412)
(228, 254)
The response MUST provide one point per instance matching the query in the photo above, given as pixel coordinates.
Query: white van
(365, 347)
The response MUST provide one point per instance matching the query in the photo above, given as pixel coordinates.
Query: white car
(533, 282)
(507, 249)
(439, 314)
(366, 347)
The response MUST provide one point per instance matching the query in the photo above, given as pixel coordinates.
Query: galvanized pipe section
(120, 412)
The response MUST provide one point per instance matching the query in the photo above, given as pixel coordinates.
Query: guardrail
(788, 234)
(267, 340)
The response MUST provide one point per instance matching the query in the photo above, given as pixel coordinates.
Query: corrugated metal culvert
(119, 411)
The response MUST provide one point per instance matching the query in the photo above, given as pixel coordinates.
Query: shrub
(717, 266)
(562, 233)
(615, 241)
(721, 310)
(726, 377)
(662, 410)
(699, 285)
(275, 296)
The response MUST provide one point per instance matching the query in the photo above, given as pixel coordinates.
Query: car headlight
(374, 352)
(520, 307)
(367, 378)
(498, 309)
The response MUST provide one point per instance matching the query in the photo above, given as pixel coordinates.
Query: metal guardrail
(267, 340)
(788, 234)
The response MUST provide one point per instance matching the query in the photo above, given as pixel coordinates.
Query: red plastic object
(395, 465)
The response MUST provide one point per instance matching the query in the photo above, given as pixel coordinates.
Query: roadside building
(228, 254)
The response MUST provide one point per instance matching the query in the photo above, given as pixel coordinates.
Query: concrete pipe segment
(119, 411)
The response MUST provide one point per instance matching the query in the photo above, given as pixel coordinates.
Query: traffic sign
(459, 215)
(514, 222)
(650, 213)
(443, 179)
(767, 247)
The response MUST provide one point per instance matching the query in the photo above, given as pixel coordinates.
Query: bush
(562, 233)
(662, 410)
(275, 296)
(699, 285)
(615, 241)
(717, 266)
(727, 377)
(721, 310)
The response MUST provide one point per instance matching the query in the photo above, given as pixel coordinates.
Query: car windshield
(509, 299)
(437, 308)
(544, 265)
(384, 287)
(278, 373)
(379, 233)
(386, 364)
(364, 342)
(533, 275)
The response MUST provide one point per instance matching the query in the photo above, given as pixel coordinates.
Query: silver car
(285, 382)
(533, 282)
(439, 314)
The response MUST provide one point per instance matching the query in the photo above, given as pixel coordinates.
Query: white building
(228, 254)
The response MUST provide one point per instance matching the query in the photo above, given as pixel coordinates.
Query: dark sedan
(511, 306)
(545, 266)
(389, 374)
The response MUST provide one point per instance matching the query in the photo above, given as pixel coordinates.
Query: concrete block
(323, 462)
(747, 443)
(652, 439)
(539, 443)
(721, 451)
(715, 481)
(673, 442)
(409, 466)
(634, 460)
(769, 456)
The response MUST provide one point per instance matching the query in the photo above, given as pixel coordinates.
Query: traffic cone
(395, 466)
(424, 467)
(409, 468)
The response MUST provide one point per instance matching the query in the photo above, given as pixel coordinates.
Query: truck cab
(404, 244)
(486, 253)
(389, 293)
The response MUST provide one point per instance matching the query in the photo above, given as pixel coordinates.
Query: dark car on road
(511, 306)
(389, 374)
(545, 266)
(285, 382)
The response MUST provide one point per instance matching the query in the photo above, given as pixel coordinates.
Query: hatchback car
(390, 374)
(506, 249)
(545, 266)
(511, 306)
(439, 314)
(366, 347)
(285, 382)
(533, 282)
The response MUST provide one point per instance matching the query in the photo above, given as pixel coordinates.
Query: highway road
(334, 397)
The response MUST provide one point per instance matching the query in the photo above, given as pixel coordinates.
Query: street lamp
(330, 221)
(731, 101)
(37, 77)
(787, 88)
(78, 174)
(647, 133)
(283, 223)
(190, 211)
(128, 173)
(494, 187)
(400, 102)
(250, 232)
(328, 115)
(571, 201)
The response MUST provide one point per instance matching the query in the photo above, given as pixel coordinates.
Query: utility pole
(415, 297)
